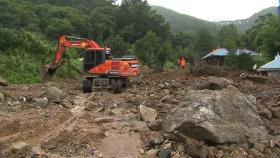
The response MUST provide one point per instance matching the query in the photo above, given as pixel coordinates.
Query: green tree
(228, 37)
(204, 42)
(118, 45)
(135, 18)
(264, 37)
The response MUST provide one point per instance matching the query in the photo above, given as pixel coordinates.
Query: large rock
(55, 95)
(147, 114)
(216, 116)
(215, 83)
(3, 82)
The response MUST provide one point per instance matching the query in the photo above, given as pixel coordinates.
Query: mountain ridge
(185, 23)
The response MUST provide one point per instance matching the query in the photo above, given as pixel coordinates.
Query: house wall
(274, 73)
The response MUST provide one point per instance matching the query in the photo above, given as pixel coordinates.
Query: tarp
(273, 65)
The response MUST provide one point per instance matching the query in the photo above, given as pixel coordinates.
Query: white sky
(216, 10)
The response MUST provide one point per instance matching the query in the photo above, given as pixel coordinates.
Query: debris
(2, 97)
(147, 114)
(276, 112)
(156, 138)
(167, 146)
(215, 83)
(252, 99)
(19, 145)
(104, 120)
(91, 105)
(266, 113)
(152, 153)
(41, 102)
(259, 146)
(256, 153)
(258, 79)
(163, 153)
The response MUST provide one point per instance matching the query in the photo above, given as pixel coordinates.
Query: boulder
(256, 153)
(193, 147)
(252, 99)
(152, 153)
(176, 84)
(41, 102)
(147, 114)
(215, 83)
(163, 153)
(91, 105)
(155, 125)
(266, 113)
(161, 85)
(276, 112)
(223, 116)
(55, 95)
(3, 82)
(156, 138)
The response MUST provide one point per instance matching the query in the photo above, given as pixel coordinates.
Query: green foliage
(147, 48)
(264, 37)
(228, 37)
(169, 65)
(243, 61)
(118, 45)
(204, 42)
(152, 52)
(135, 18)
(24, 62)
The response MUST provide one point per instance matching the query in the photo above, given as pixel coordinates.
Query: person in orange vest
(183, 63)
(178, 62)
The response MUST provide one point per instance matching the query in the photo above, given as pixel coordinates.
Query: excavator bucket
(48, 71)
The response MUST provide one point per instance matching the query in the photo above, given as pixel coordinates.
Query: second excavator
(100, 69)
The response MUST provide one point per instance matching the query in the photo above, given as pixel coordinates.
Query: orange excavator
(100, 69)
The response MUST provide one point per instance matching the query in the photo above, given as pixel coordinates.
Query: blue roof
(224, 52)
(273, 65)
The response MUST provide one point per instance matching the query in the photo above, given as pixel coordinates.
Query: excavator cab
(93, 58)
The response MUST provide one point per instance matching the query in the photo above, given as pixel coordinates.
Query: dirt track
(101, 124)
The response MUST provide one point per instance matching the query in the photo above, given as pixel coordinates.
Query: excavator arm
(64, 42)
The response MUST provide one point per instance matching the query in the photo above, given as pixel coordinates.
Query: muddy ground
(103, 124)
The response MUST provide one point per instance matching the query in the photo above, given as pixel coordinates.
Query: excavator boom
(64, 42)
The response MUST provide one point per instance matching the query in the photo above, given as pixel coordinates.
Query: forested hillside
(245, 24)
(29, 31)
(185, 23)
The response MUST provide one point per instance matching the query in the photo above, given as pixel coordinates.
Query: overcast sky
(216, 10)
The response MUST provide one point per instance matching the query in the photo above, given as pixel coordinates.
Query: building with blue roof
(272, 68)
(217, 56)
